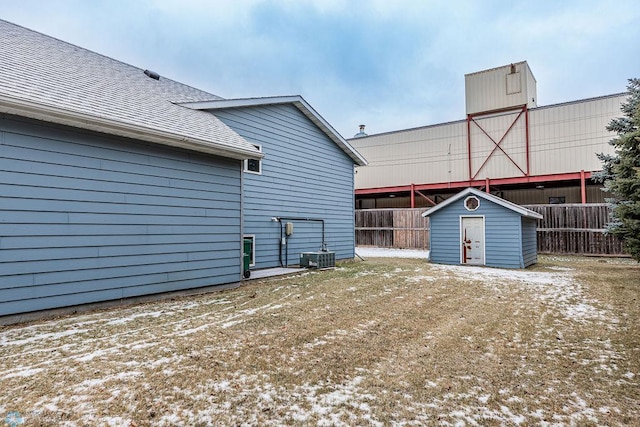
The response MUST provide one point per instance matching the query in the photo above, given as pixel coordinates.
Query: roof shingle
(54, 76)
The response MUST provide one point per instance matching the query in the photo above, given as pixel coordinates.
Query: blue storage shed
(478, 228)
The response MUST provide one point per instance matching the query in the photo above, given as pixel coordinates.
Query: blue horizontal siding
(304, 174)
(529, 242)
(81, 251)
(87, 218)
(445, 238)
(502, 236)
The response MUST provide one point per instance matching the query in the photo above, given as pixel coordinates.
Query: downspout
(280, 244)
(242, 220)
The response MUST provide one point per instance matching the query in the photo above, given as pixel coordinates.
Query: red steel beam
(499, 110)
(573, 176)
(413, 197)
(583, 187)
(526, 136)
(497, 145)
(428, 199)
(469, 144)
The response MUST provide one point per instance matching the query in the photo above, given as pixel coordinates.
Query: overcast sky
(389, 64)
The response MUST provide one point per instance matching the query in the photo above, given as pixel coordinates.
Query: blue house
(477, 228)
(306, 178)
(115, 184)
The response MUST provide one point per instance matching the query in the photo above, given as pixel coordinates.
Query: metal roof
(298, 102)
(48, 79)
(487, 196)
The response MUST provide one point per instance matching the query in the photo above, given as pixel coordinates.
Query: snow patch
(367, 252)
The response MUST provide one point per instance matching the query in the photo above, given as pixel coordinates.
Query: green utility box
(318, 259)
(247, 253)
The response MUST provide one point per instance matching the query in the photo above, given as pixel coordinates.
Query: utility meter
(288, 228)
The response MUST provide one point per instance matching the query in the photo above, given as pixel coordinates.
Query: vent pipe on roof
(152, 74)
(361, 133)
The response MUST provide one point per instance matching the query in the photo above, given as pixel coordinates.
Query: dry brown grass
(382, 342)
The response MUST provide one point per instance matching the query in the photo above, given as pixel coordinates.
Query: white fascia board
(62, 116)
(300, 104)
(220, 104)
(497, 200)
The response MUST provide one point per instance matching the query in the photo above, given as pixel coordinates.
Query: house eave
(53, 114)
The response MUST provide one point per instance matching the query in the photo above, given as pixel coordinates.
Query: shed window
(254, 165)
(471, 203)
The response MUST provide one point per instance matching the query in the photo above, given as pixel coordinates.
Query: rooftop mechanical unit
(318, 259)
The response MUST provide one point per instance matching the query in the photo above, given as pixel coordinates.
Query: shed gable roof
(487, 196)
(298, 102)
(47, 79)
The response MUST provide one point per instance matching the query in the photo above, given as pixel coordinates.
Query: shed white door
(472, 234)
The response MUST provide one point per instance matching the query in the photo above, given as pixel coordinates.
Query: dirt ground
(386, 342)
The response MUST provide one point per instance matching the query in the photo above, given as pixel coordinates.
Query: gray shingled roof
(48, 79)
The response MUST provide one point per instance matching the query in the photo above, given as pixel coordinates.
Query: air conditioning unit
(318, 259)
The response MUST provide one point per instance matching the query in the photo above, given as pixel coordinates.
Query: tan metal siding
(566, 138)
(563, 138)
(513, 146)
(417, 155)
(497, 88)
(532, 90)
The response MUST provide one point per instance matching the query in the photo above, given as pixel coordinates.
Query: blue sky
(389, 64)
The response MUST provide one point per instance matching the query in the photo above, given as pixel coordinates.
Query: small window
(254, 165)
(471, 203)
(556, 200)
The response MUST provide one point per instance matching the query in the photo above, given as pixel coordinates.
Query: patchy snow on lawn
(368, 252)
(557, 287)
(131, 344)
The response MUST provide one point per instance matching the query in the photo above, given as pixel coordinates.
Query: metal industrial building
(507, 144)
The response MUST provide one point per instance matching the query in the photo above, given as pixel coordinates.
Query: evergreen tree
(621, 173)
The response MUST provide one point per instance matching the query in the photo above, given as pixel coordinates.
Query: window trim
(468, 199)
(246, 162)
(252, 262)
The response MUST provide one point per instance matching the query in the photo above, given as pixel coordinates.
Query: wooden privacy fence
(564, 229)
(392, 228)
(575, 229)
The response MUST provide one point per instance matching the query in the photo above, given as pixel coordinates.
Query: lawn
(383, 342)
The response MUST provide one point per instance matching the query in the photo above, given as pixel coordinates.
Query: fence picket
(564, 229)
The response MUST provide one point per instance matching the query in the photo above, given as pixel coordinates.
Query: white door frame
(484, 255)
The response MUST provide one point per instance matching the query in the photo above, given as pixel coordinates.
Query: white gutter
(34, 110)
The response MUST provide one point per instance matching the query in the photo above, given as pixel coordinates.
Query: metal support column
(526, 136)
(469, 145)
(413, 196)
(583, 187)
